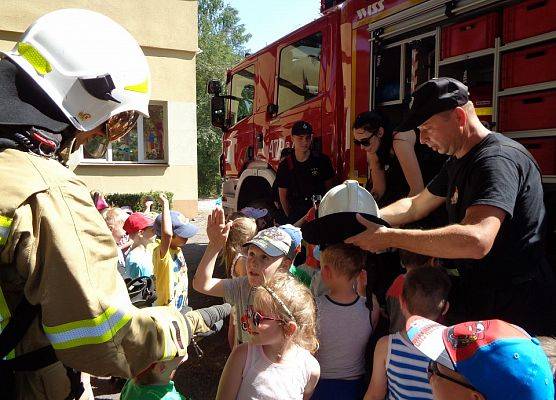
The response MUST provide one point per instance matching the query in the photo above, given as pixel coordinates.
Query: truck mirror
(214, 87)
(272, 109)
(218, 112)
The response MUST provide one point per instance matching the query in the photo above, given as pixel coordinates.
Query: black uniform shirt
(498, 172)
(303, 180)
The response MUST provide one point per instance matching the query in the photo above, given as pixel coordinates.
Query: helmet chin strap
(38, 141)
(66, 149)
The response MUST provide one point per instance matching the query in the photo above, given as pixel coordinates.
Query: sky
(268, 20)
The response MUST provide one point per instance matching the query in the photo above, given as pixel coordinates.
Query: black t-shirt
(303, 180)
(498, 172)
(396, 184)
(430, 162)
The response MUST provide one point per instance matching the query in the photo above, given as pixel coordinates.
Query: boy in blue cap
(489, 359)
(170, 269)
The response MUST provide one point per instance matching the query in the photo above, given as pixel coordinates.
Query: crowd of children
(150, 247)
(304, 326)
(288, 310)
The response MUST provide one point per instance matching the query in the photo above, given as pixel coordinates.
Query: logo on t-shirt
(454, 198)
(314, 171)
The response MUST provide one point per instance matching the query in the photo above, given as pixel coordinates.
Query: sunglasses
(365, 142)
(116, 127)
(432, 369)
(257, 318)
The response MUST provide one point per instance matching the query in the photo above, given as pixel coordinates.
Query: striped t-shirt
(406, 370)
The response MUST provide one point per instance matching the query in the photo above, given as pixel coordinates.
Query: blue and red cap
(180, 225)
(499, 359)
(295, 234)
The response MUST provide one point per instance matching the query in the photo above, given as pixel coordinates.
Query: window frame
(141, 160)
(229, 89)
(402, 44)
(278, 70)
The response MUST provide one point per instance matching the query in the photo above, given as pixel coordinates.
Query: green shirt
(301, 275)
(132, 391)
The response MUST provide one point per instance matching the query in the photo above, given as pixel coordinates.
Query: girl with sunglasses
(394, 171)
(277, 363)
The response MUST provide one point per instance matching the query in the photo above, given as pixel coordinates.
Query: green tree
(222, 39)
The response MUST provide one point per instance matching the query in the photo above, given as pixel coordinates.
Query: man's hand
(372, 239)
(217, 229)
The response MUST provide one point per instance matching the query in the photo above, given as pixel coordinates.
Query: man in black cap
(302, 174)
(492, 190)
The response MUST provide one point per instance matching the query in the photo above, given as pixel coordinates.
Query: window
(387, 75)
(399, 68)
(419, 64)
(478, 75)
(145, 143)
(298, 79)
(243, 92)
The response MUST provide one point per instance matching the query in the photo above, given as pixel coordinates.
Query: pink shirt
(264, 379)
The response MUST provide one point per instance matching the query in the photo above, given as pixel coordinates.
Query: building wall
(167, 33)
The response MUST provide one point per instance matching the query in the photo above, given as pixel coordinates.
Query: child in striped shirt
(399, 369)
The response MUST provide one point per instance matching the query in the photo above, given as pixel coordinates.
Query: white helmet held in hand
(336, 217)
(348, 197)
(90, 66)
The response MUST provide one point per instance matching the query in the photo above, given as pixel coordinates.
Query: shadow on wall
(126, 170)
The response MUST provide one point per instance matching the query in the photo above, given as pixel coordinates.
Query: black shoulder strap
(21, 319)
(19, 323)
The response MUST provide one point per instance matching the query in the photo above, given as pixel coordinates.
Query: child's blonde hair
(242, 230)
(345, 259)
(114, 216)
(284, 296)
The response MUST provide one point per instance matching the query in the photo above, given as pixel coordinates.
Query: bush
(136, 200)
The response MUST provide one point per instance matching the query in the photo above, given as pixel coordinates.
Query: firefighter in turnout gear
(75, 77)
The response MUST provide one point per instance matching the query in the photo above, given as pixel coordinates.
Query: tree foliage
(222, 39)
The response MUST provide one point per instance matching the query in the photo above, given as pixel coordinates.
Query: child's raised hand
(163, 198)
(217, 229)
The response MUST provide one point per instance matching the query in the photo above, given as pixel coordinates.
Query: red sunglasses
(256, 317)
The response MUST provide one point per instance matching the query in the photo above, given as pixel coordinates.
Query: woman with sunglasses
(394, 171)
(277, 363)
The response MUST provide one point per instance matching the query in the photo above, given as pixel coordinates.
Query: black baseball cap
(302, 128)
(433, 97)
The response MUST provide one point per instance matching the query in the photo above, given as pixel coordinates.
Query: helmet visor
(115, 128)
(120, 124)
(95, 147)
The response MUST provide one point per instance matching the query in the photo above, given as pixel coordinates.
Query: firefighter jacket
(56, 250)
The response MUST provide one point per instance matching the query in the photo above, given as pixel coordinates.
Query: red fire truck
(368, 54)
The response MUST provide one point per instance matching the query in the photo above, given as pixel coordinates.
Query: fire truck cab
(368, 54)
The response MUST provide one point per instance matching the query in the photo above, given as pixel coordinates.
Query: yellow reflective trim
(168, 344)
(142, 87)
(84, 323)
(105, 337)
(6, 315)
(33, 57)
(99, 329)
(482, 111)
(5, 225)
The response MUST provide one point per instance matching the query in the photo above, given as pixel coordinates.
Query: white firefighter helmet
(90, 66)
(336, 217)
(348, 197)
